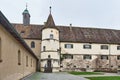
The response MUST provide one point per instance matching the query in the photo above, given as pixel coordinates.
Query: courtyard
(69, 76)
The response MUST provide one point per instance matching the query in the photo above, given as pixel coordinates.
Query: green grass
(85, 73)
(105, 78)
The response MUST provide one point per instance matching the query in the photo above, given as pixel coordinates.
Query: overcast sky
(81, 13)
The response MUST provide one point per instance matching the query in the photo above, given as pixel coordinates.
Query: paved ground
(54, 76)
(63, 76)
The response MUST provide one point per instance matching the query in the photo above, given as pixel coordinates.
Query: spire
(26, 17)
(26, 6)
(50, 21)
(26, 11)
(50, 9)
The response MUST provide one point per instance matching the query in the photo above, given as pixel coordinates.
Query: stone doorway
(48, 67)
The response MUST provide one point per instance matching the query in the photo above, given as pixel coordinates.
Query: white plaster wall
(96, 49)
(50, 45)
(54, 55)
(46, 33)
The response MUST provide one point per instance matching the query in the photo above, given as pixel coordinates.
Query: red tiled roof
(73, 34)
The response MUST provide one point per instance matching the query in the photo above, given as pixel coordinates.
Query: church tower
(26, 17)
(50, 56)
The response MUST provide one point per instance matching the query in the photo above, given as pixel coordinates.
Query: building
(64, 48)
(72, 48)
(17, 60)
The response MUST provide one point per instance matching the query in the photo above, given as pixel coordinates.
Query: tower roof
(26, 11)
(50, 22)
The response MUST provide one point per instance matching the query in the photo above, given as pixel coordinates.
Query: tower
(50, 56)
(26, 17)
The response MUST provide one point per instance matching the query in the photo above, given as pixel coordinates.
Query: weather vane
(50, 9)
(26, 5)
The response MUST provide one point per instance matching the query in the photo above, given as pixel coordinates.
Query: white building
(71, 48)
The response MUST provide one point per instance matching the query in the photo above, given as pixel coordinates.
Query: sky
(79, 13)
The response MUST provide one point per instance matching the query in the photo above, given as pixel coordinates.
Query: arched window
(26, 61)
(19, 57)
(32, 44)
(51, 36)
(31, 62)
(44, 48)
(0, 51)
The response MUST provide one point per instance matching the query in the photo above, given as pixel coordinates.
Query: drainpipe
(109, 56)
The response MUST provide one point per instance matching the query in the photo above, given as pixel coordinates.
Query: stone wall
(96, 63)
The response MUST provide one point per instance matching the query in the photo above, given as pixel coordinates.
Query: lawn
(105, 78)
(85, 73)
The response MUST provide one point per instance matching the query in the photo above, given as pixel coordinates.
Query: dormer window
(51, 36)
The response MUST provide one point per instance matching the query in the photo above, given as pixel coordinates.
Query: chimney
(70, 27)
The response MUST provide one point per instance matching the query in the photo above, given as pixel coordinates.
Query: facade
(17, 60)
(64, 48)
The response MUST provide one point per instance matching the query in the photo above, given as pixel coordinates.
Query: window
(32, 44)
(69, 46)
(19, 57)
(118, 57)
(44, 48)
(87, 46)
(104, 57)
(118, 66)
(68, 56)
(49, 56)
(0, 52)
(104, 46)
(26, 61)
(31, 62)
(87, 66)
(51, 36)
(118, 47)
(87, 57)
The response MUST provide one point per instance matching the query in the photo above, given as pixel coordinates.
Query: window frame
(51, 36)
(68, 46)
(102, 57)
(118, 57)
(31, 62)
(26, 61)
(32, 44)
(87, 46)
(87, 57)
(118, 47)
(104, 47)
(19, 57)
(67, 56)
(44, 48)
